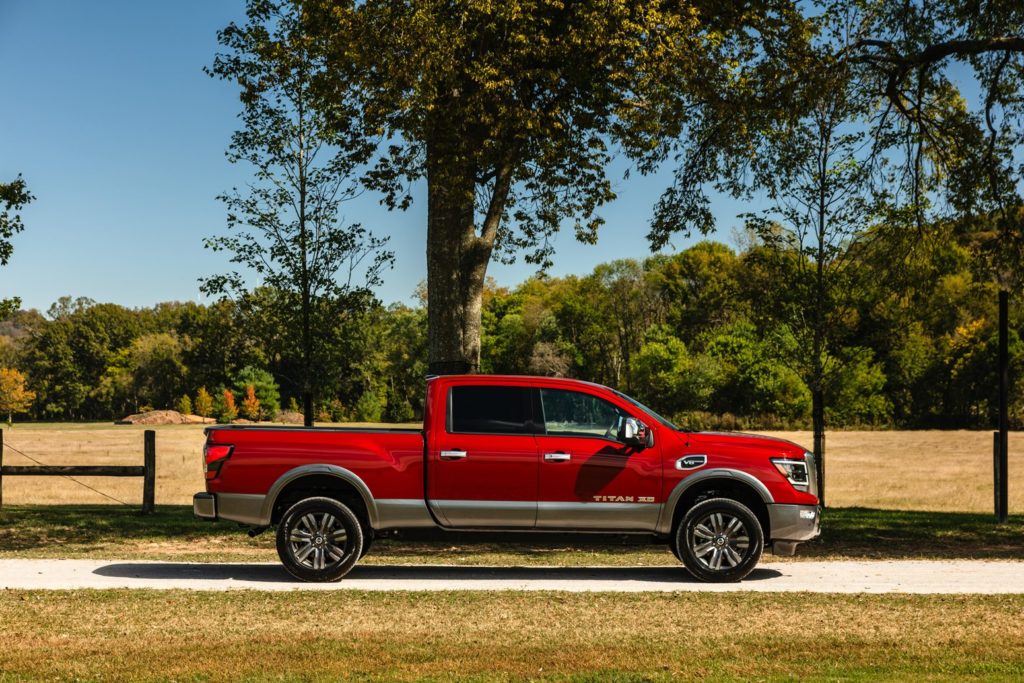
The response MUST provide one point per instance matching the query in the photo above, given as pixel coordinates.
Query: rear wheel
(319, 539)
(720, 540)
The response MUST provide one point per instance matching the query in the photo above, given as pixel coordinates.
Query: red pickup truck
(514, 453)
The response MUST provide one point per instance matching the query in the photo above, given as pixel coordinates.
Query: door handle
(557, 457)
(453, 455)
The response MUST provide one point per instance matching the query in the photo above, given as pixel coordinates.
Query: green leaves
(285, 227)
(13, 197)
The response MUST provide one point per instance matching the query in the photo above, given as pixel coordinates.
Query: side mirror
(635, 433)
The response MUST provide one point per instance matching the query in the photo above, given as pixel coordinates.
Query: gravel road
(953, 576)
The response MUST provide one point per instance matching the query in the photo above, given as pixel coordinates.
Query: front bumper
(204, 505)
(796, 523)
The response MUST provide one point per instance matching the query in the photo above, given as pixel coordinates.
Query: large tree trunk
(456, 266)
(458, 252)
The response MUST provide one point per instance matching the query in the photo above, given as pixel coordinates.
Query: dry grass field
(898, 470)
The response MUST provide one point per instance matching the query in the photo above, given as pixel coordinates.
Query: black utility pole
(1004, 405)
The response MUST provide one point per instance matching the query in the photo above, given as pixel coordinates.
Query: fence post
(996, 443)
(1, 468)
(149, 478)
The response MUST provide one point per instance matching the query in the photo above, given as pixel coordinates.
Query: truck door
(483, 463)
(588, 478)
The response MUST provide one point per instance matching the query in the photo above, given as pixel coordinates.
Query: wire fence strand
(66, 476)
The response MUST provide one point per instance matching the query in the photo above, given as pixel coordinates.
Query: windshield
(647, 410)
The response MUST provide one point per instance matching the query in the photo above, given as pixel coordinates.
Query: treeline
(699, 336)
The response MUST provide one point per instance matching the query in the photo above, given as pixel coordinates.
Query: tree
(286, 227)
(511, 112)
(920, 54)
(185, 405)
(157, 370)
(14, 396)
(13, 197)
(699, 288)
(204, 403)
(817, 172)
(225, 409)
(251, 405)
(264, 388)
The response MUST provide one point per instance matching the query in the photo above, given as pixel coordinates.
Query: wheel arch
(321, 479)
(722, 482)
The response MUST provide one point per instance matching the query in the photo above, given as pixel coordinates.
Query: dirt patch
(290, 417)
(161, 417)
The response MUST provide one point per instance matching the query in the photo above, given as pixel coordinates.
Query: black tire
(368, 537)
(674, 546)
(720, 540)
(319, 539)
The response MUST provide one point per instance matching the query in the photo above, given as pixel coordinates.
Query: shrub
(265, 388)
(204, 403)
(369, 407)
(251, 405)
(226, 411)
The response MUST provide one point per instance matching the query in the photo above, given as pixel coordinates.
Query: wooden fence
(147, 470)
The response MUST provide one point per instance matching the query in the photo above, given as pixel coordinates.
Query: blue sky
(105, 110)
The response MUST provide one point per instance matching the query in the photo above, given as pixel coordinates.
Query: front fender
(665, 520)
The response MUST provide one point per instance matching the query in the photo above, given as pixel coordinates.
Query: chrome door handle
(557, 457)
(453, 455)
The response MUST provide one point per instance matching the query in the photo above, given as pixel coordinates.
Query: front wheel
(720, 540)
(319, 539)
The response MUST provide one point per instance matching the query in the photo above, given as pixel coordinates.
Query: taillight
(215, 457)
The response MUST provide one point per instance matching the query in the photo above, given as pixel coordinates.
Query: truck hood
(743, 440)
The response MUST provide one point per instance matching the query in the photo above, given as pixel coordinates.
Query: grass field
(504, 636)
(926, 470)
(892, 494)
(172, 533)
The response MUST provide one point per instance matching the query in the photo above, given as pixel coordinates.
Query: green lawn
(184, 635)
(505, 635)
(116, 532)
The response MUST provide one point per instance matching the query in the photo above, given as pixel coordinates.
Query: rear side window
(491, 410)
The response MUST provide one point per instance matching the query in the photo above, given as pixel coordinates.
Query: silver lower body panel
(598, 516)
(244, 508)
(403, 513)
(466, 514)
(204, 505)
(411, 513)
(794, 522)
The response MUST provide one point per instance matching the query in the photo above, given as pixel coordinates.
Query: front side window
(571, 413)
(491, 410)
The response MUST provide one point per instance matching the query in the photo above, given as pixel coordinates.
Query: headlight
(795, 471)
